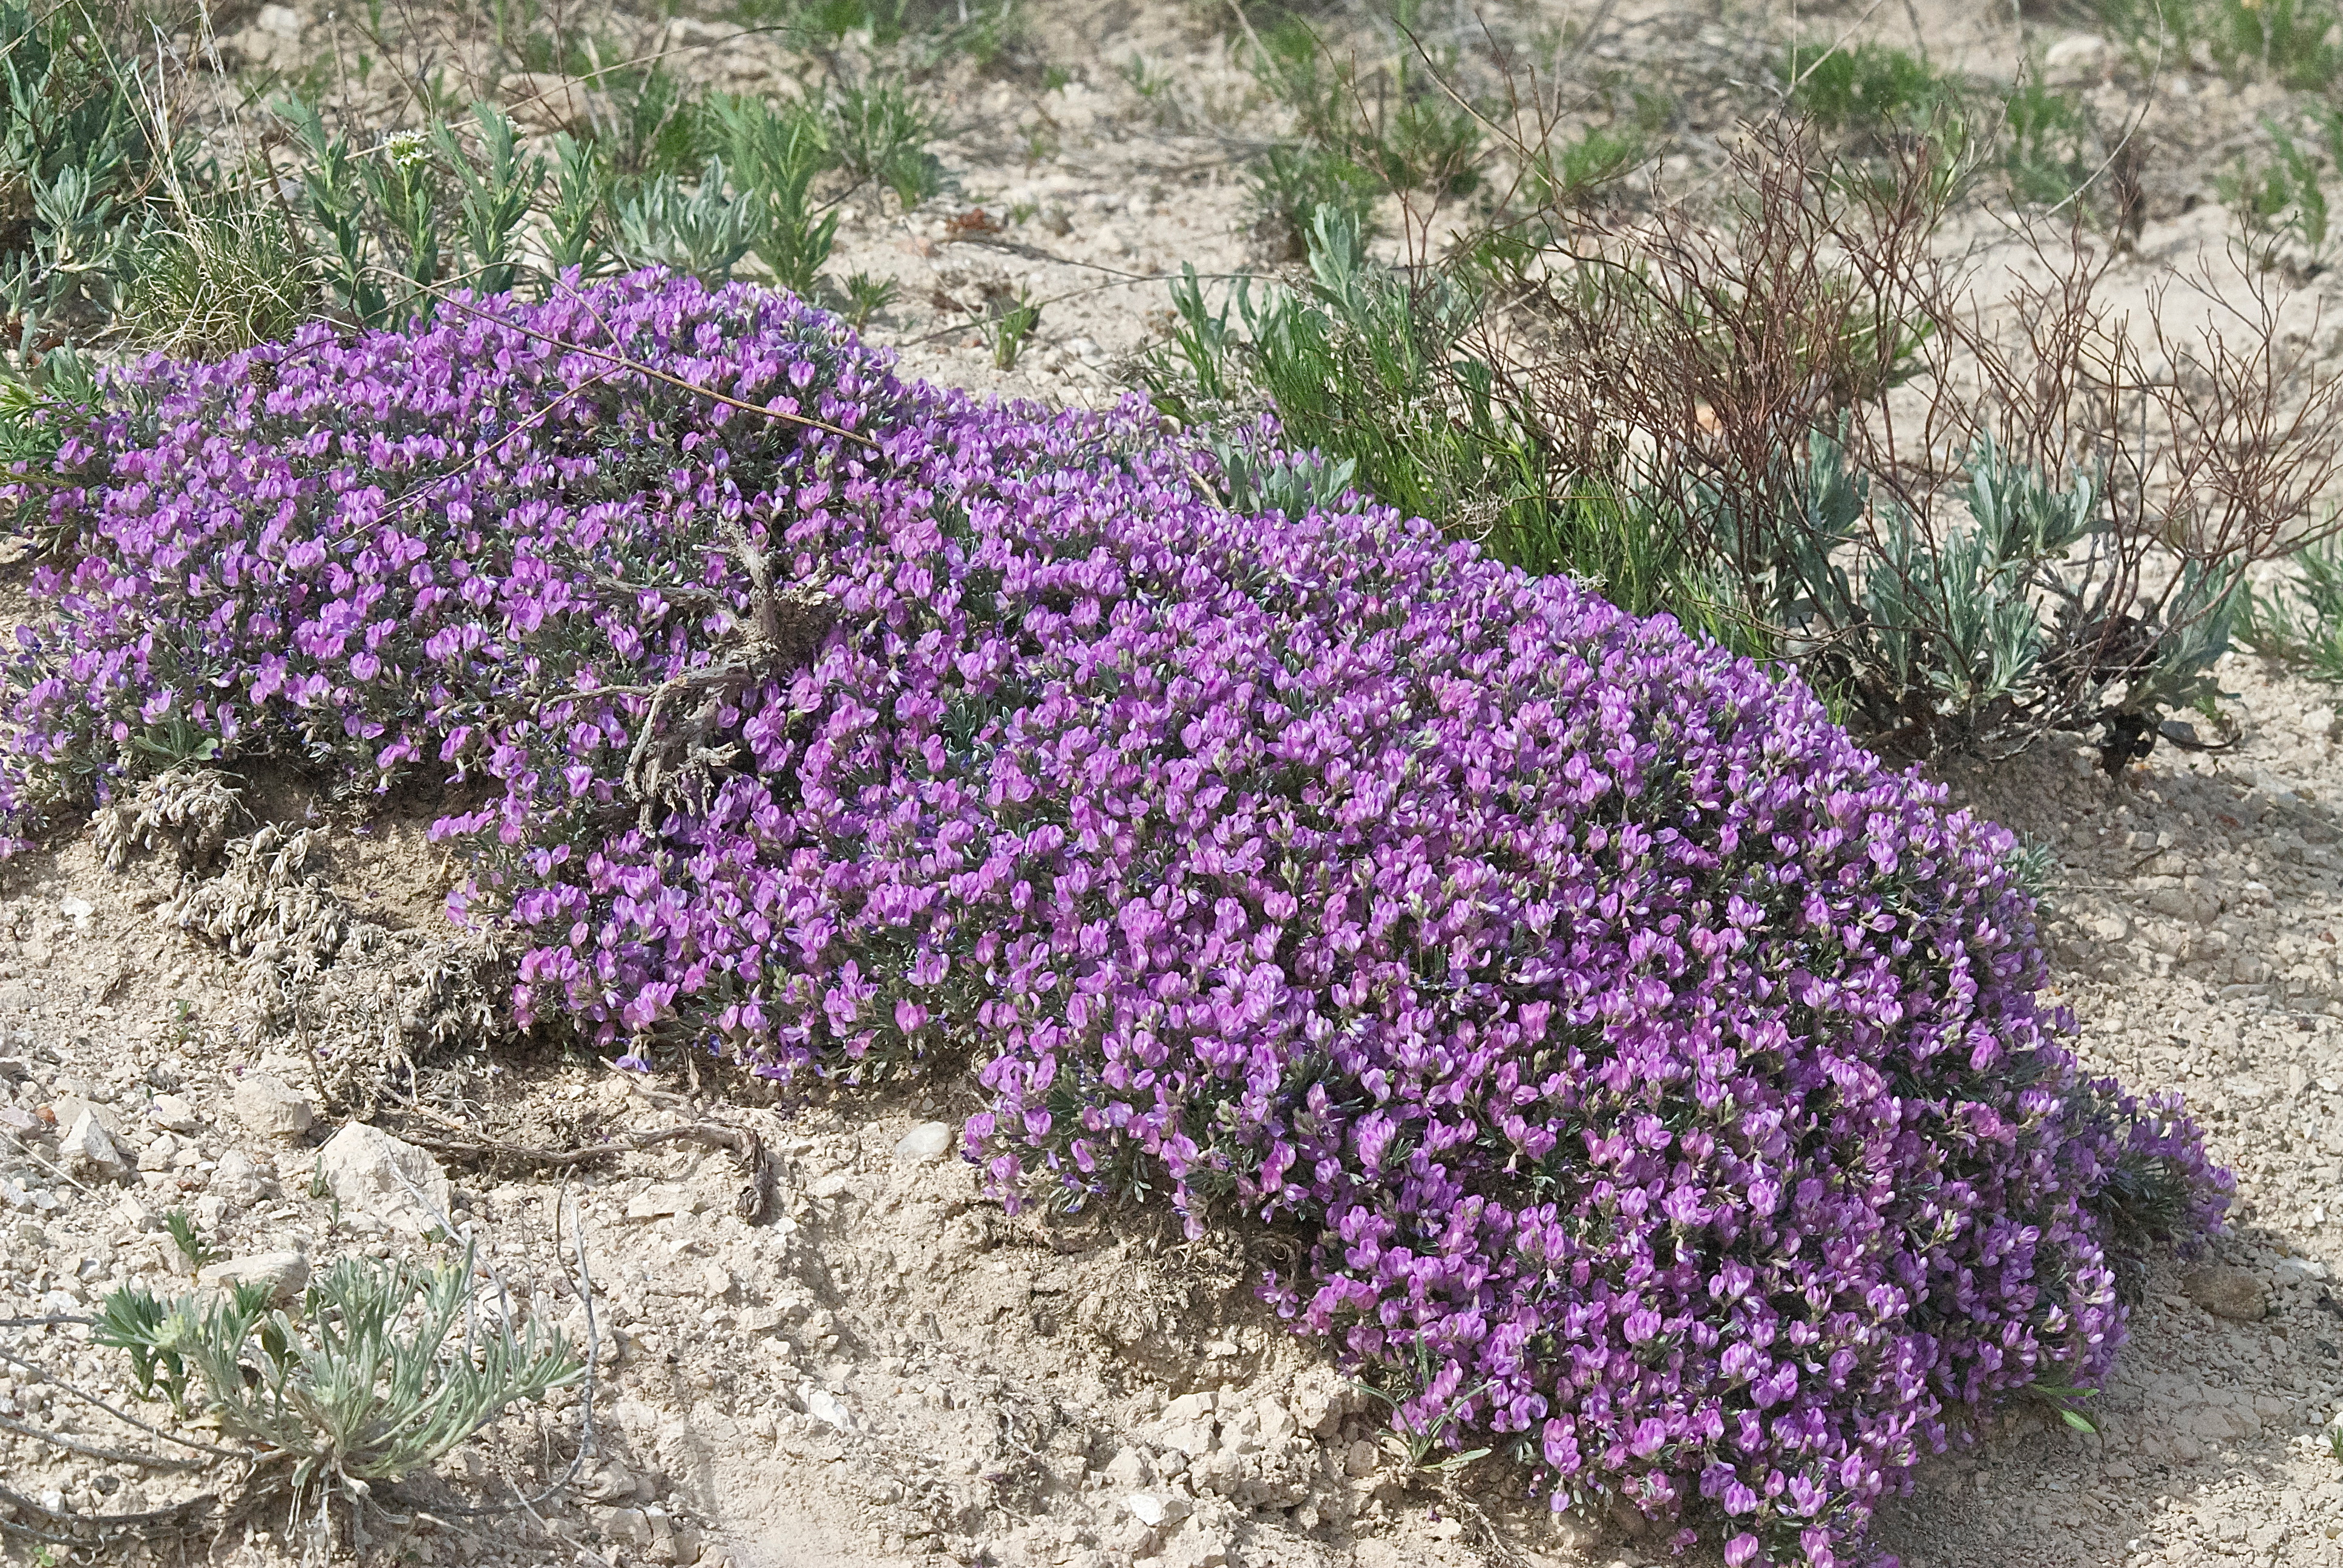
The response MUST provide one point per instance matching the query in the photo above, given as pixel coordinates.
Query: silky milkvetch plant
(1663, 1088)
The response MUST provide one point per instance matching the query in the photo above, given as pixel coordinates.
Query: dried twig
(754, 1201)
(111, 1455)
(177, 1516)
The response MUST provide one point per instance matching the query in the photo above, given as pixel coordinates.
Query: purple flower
(1656, 1073)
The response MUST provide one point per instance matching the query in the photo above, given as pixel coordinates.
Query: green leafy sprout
(383, 1368)
(2298, 620)
(2063, 1398)
(1008, 324)
(1415, 1446)
(192, 1246)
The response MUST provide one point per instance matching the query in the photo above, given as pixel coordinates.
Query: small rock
(684, 1543)
(629, 1525)
(1202, 1548)
(1130, 1470)
(1262, 1426)
(2073, 58)
(1186, 1424)
(1147, 1509)
(827, 1407)
(658, 1203)
(2212, 1424)
(286, 1274)
(2226, 1293)
(1189, 1407)
(281, 22)
(1575, 1536)
(87, 1145)
(372, 1173)
(608, 1483)
(69, 1109)
(77, 909)
(161, 1153)
(923, 1145)
(238, 1178)
(171, 1111)
(269, 1108)
(2298, 1270)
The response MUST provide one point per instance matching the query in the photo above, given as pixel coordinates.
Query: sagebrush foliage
(1664, 1084)
(379, 1370)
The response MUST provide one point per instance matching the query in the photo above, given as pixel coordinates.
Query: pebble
(923, 1145)
(2075, 59)
(658, 1203)
(68, 1108)
(375, 1176)
(238, 1179)
(1130, 1470)
(270, 1108)
(2228, 1292)
(2299, 1271)
(827, 1407)
(88, 1147)
(286, 1274)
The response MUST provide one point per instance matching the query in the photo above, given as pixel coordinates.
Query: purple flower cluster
(1660, 1084)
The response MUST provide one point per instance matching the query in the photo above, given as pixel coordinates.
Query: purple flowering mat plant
(1661, 1089)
